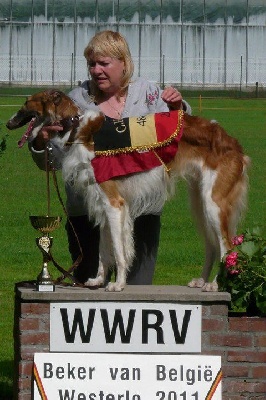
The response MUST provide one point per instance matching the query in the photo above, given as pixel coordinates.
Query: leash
(50, 168)
(79, 259)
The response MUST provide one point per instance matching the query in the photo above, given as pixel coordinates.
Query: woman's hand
(172, 97)
(45, 134)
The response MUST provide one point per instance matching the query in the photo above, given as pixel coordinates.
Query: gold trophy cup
(45, 225)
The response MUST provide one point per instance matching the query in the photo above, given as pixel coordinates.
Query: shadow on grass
(6, 380)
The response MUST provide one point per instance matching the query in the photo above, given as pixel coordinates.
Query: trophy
(45, 225)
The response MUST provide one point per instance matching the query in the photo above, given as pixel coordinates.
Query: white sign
(126, 377)
(125, 327)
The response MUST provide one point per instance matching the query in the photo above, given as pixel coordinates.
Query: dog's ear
(56, 97)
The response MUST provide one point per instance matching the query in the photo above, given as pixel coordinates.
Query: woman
(112, 91)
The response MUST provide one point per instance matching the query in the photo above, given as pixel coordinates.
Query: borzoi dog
(212, 163)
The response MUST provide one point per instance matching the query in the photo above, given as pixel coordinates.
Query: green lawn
(23, 192)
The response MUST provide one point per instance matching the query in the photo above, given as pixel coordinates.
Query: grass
(23, 192)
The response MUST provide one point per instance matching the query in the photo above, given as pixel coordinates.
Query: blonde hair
(110, 44)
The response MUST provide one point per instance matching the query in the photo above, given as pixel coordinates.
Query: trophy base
(48, 287)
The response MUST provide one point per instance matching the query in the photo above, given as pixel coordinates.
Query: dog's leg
(100, 278)
(212, 250)
(223, 197)
(106, 259)
(210, 258)
(231, 201)
(115, 218)
(121, 233)
(206, 213)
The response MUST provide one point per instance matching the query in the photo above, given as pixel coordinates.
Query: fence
(190, 43)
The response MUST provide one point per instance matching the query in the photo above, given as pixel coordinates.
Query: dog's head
(44, 108)
(54, 107)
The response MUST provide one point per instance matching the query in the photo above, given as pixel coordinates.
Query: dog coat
(136, 144)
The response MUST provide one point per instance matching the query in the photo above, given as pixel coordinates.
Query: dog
(212, 163)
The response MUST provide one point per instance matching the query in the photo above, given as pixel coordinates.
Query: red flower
(238, 240)
(233, 271)
(231, 259)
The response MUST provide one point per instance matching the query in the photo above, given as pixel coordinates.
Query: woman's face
(106, 72)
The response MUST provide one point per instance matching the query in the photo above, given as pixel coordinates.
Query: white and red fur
(212, 163)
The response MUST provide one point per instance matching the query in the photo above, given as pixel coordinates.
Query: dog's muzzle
(20, 119)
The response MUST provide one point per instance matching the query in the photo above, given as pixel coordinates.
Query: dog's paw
(94, 282)
(114, 287)
(210, 287)
(196, 283)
